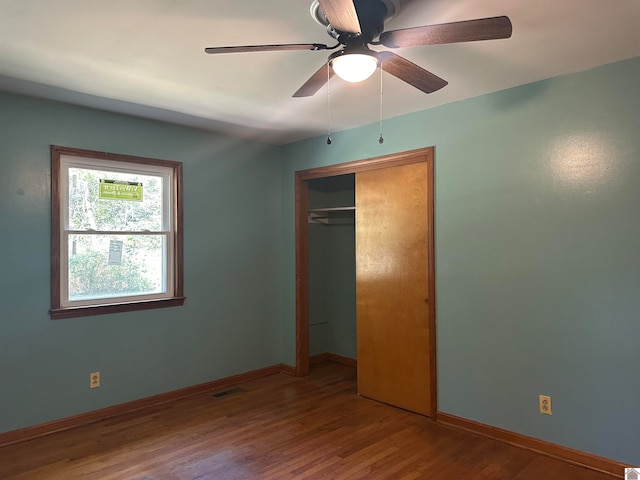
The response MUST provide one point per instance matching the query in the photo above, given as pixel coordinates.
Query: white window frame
(63, 158)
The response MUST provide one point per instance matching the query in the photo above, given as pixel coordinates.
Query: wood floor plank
(278, 427)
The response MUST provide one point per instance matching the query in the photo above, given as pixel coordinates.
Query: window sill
(86, 311)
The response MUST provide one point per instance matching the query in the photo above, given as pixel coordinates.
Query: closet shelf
(332, 216)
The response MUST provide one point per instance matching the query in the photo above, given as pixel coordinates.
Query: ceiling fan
(355, 24)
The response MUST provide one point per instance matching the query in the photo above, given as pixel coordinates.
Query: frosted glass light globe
(354, 67)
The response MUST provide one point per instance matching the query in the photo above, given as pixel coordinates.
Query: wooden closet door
(392, 286)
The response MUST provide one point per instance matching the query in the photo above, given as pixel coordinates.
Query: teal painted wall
(537, 262)
(341, 290)
(230, 322)
(318, 319)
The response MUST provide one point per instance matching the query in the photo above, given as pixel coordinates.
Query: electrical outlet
(545, 404)
(94, 379)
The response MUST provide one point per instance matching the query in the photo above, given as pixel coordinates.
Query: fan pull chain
(381, 139)
(328, 105)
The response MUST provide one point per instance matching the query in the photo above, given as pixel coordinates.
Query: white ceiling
(145, 57)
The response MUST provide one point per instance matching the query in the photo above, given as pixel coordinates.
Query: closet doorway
(394, 276)
(332, 269)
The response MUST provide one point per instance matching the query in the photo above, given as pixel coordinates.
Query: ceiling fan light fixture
(354, 67)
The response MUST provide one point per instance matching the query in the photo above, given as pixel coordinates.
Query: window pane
(88, 211)
(104, 266)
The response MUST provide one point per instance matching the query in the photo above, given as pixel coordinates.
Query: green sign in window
(117, 190)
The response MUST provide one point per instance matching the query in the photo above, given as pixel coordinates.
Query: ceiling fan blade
(316, 81)
(267, 48)
(465, 31)
(341, 15)
(409, 72)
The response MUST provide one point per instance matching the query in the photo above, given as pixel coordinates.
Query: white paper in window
(115, 252)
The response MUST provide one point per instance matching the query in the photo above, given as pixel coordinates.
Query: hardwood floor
(278, 427)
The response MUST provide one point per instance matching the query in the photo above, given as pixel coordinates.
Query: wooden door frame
(302, 249)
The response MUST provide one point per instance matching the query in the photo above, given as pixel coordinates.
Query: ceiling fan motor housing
(371, 14)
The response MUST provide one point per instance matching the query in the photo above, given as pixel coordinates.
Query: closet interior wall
(332, 269)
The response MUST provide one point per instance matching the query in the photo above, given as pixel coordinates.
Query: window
(116, 233)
